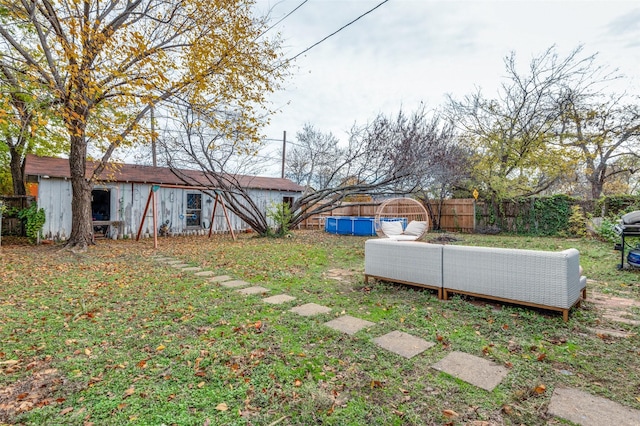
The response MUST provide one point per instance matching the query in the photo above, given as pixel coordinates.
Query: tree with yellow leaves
(27, 126)
(106, 64)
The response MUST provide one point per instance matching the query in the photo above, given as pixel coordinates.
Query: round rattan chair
(401, 219)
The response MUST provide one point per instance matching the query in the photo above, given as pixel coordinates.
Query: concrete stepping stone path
(278, 299)
(403, 344)
(348, 324)
(253, 290)
(310, 309)
(569, 404)
(589, 410)
(220, 278)
(478, 371)
(234, 283)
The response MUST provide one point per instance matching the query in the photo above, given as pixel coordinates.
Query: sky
(411, 51)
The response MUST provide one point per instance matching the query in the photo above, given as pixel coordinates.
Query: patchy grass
(114, 337)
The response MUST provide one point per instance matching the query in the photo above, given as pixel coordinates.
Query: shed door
(194, 209)
(101, 204)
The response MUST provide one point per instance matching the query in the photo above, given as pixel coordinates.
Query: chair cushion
(403, 237)
(391, 227)
(416, 228)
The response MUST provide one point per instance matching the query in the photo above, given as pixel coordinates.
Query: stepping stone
(310, 309)
(589, 410)
(279, 299)
(253, 290)
(403, 344)
(180, 265)
(191, 269)
(204, 273)
(220, 278)
(603, 332)
(234, 283)
(348, 324)
(174, 262)
(478, 371)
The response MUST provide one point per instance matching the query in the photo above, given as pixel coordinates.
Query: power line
(285, 17)
(337, 31)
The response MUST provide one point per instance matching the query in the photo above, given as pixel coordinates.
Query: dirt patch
(444, 239)
(339, 274)
(34, 391)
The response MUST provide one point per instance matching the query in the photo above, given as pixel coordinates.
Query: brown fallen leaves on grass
(34, 391)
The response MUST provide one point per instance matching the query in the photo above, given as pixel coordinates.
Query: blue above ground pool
(354, 225)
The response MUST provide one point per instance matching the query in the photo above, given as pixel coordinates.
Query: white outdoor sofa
(549, 280)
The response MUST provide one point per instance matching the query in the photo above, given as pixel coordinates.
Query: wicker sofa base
(438, 289)
(547, 280)
(565, 311)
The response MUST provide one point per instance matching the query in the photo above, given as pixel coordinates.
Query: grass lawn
(114, 337)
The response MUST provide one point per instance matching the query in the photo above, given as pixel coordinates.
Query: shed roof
(59, 168)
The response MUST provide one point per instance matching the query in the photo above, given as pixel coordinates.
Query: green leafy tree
(513, 136)
(27, 125)
(106, 64)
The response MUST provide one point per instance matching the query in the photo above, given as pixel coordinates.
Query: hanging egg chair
(402, 219)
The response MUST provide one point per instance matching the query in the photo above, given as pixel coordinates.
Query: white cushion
(415, 228)
(391, 227)
(403, 237)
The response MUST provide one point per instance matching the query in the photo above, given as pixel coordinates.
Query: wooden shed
(119, 199)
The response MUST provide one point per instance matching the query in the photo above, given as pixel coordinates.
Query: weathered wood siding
(128, 201)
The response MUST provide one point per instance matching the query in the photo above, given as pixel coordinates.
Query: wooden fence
(11, 224)
(456, 215)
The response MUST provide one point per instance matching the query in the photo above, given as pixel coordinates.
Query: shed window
(194, 209)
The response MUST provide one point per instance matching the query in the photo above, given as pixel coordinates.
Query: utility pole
(284, 149)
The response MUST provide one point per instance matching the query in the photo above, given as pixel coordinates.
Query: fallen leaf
(540, 389)
(507, 409)
(222, 407)
(201, 385)
(160, 348)
(297, 382)
(450, 413)
(66, 411)
(207, 422)
(376, 384)
(541, 356)
(142, 364)
(87, 351)
(129, 391)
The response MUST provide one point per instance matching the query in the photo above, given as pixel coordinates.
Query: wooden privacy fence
(455, 215)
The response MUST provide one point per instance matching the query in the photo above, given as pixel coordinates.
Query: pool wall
(355, 225)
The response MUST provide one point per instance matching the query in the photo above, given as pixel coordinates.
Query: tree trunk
(17, 172)
(81, 225)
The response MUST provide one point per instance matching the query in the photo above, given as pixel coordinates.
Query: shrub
(35, 219)
(281, 215)
(577, 222)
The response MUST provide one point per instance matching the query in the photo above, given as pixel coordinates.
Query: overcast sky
(411, 51)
